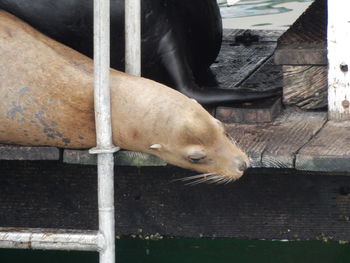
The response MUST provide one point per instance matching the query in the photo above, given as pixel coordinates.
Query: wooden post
(338, 59)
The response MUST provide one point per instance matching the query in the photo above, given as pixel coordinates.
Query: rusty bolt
(345, 104)
(344, 67)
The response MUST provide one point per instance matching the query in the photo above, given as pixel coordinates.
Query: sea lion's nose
(240, 164)
(243, 166)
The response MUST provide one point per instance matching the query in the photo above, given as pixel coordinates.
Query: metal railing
(102, 240)
(133, 37)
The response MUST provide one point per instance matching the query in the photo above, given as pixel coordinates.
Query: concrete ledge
(121, 158)
(8, 152)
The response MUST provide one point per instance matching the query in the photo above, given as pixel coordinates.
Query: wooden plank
(306, 54)
(264, 204)
(275, 144)
(304, 43)
(237, 62)
(231, 33)
(305, 86)
(269, 76)
(310, 27)
(294, 131)
(338, 60)
(121, 158)
(328, 151)
(267, 35)
(8, 152)
(257, 112)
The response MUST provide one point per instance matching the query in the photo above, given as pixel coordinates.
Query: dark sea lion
(46, 94)
(180, 39)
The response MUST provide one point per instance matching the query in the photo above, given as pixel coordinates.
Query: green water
(196, 250)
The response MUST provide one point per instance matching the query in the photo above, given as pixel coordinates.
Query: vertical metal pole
(133, 37)
(105, 148)
(106, 206)
(101, 73)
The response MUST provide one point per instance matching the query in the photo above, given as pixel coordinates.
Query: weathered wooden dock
(48, 187)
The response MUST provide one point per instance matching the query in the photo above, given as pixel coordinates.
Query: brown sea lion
(46, 93)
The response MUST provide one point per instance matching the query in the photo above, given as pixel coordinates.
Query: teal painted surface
(196, 250)
(245, 8)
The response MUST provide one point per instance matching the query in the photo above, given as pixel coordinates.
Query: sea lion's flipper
(225, 96)
(175, 62)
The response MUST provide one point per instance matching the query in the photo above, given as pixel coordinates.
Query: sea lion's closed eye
(197, 157)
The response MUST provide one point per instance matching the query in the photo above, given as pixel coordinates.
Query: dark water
(196, 250)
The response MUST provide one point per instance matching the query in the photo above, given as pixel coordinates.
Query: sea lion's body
(46, 94)
(180, 38)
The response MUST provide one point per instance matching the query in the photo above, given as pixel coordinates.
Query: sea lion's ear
(156, 146)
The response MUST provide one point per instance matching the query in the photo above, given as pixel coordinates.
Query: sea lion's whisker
(210, 178)
(207, 179)
(199, 181)
(228, 180)
(214, 181)
(193, 177)
(213, 178)
(222, 180)
(232, 180)
(231, 138)
(225, 180)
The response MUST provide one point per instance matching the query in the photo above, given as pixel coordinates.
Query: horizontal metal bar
(50, 239)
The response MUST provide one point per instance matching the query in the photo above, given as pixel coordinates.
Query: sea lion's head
(199, 142)
(150, 117)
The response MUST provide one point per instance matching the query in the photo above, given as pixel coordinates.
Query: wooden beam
(338, 59)
(263, 204)
(301, 54)
(257, 112)
(305, 42)
(305, 86)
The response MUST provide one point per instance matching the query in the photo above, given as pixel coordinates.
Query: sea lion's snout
(240, 164)
(242, 167)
